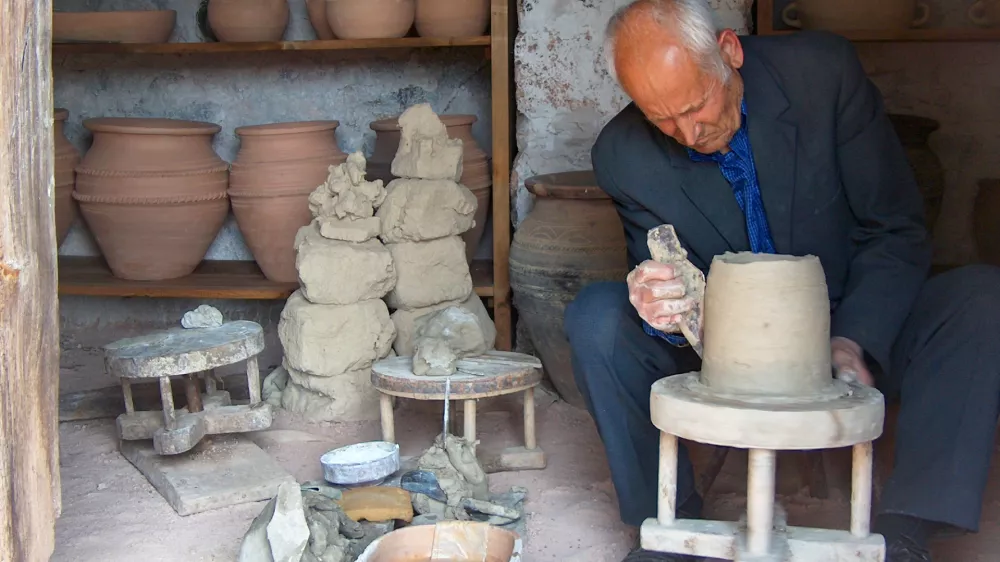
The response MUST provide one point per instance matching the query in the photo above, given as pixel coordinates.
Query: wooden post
(29, 311)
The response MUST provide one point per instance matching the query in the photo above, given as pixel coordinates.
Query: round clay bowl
(317, 17)
(370, 19)
(248, 20)
(854, 15)
(455, 541)
(66, 157)
(452, 18)
(144, 26)
(278, 142)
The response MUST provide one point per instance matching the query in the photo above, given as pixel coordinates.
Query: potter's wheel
(841, 415)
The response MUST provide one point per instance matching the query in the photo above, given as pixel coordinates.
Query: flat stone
(220, 472)
(377, 503)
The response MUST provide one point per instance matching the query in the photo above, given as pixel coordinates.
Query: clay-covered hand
(657, 295)
(848, 361)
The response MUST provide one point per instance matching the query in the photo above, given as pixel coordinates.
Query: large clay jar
(153, 193)
(248, 20)
(317, 17)
(856, 15)
(277, 167)
(370, 19)
(571, 238)
(66, 158)
(986, 221)
(476, 172)
(452, 18)
(914, 133)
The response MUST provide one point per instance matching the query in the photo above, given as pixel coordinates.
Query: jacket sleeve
(890, 246)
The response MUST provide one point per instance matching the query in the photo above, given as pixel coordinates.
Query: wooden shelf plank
(912, 35)
(89, 276)
(221, 47)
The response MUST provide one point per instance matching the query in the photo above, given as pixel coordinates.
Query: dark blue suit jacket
(833, 176)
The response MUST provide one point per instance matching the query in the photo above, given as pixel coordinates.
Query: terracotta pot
(985, 13)
(856, 15)
(66, 158)
(571, 238)
(914, 133)
(370, 19)
(476, 172)
(986, 221)
(317, 17)
(153, 193)
(277, 167)
(119, 26)
(248, 20)
(452, 18)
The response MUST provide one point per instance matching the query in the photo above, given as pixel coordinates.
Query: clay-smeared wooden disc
(492, 374)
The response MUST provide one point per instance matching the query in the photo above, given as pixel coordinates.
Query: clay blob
(665, 247)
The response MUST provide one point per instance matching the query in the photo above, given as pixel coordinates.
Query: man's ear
(731, 48)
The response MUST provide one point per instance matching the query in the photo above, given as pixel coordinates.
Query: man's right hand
(657, 295)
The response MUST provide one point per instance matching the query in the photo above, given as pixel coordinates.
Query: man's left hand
(848, 358)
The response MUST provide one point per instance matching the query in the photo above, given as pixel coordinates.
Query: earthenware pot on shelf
(571, 238)
(66, 158)
(856, 15)
(370, 19)
(477, 175)
(986, 221)
(117, 26)
(153, 193)
(317, 17)
(985, 13)
(277, 167)
(452, 18)
(914, 133)
(248, 20)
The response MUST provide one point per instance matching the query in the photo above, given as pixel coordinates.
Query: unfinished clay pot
(248, 20)
(914, 133)
(452, 18)
(66, 158)
(856, 15)
(370, 19)
(767, 326)
(571, 238)
(277, 167)
(317, 17)
(153, 193)
(986, 221)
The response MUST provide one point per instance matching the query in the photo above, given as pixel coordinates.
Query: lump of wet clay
(345, 193)
(453, 461)
(665, 247)
(425, 150)
(327, 339)
(349, 229)
(419, 210)
(444, 337)
(202, 317)
(405, 321)
(345, 397)
(336, 272)
(428, 273)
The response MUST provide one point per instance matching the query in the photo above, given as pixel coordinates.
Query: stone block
(425, 150)
(338, 272)
(405, 322)
(429, 273)
(420, 210)
(349, 229)
(348, 396)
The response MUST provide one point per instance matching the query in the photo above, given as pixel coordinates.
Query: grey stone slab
(221, 471)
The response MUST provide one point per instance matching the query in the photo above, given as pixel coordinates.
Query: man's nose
(690, 130)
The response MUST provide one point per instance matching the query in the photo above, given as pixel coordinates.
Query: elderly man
(782, 144)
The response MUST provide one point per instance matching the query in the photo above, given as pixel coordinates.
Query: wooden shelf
(911, 35)
(221, 47)
(89, 276)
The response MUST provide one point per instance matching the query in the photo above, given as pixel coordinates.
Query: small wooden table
(492, 374)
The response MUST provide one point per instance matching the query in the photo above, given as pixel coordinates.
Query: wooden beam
(265, 46)
(501, 54)
(29, 311)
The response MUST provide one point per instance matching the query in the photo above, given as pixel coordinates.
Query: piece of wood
(89, 276)
(29, 309)
(264, 46)
(861, 490)
(502, 53)
(760, 500)
(666, 502)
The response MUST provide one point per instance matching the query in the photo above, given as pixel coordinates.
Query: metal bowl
(360, 463)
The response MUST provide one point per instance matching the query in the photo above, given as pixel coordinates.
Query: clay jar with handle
(452, 18)
(985, 13)
(571, 238)
(477, 175)
(66, 158)
(986, 221)
(370, 19)
(277, 167)
(856, 15)
(248, 20)
(153, 193)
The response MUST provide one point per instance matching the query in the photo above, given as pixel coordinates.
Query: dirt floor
(112, 514)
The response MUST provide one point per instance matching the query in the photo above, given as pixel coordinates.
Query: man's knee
(972, 291)
(591, 320)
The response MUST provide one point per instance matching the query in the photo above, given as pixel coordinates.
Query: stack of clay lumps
(153, 194)
(336, 325)
(477, 175)
(276, 169)
(424, 214)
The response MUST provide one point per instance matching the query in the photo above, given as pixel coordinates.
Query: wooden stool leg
(666, 504)
(470, 421)
(210, 383)
(861, 490)
(127, 392)
(388, 422)
(253, 380)
(760, 501)
(167, 399)
(529, 419)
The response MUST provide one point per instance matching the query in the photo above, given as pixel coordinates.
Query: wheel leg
(760, 501)
(470, 422)
(253, 380)
(666, 504)
(388, 422)
(861, 490)
(127, 393)
(529, 419)
(167, 399)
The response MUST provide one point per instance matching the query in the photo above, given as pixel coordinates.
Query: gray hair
(694, 22)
